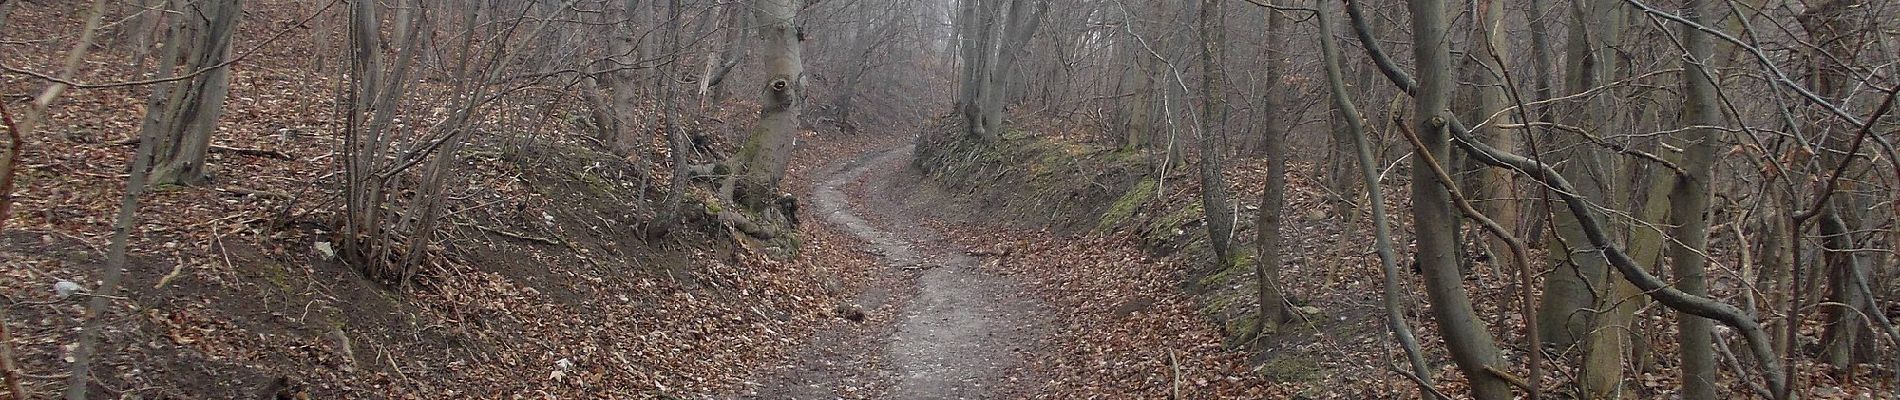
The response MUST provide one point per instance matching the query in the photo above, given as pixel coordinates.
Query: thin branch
(66, 80)
(1519, 254)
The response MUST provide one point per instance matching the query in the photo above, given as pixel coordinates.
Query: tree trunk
(1836, 28)
(1470, 344)
(1690, 199)
(1267, 244)
(1496, 187)
(761, 160)
(1392, 295)
(1565, 316)
(192, 110)
(1214, 198)
(624, 82)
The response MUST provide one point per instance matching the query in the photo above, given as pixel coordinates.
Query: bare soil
(938, 325)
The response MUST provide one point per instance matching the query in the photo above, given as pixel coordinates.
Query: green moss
(1124, 208)
(1291, 368)
(1168, 228)
(1238, 266)
(276, 274)
(595, 182)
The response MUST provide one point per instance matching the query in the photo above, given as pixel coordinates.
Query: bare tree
(182, 115)
(1268, 245)
(761, 160)
(1472, 347)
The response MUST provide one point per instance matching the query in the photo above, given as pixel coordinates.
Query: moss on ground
(1122, 212)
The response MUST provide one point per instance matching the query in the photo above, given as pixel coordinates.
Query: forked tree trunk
(189, 113)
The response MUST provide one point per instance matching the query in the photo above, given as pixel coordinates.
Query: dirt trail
(940, 327)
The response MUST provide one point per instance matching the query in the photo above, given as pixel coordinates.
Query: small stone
(67, 288)
(324, 249)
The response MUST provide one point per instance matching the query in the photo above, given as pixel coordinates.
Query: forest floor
(965, 306)
(937, 325)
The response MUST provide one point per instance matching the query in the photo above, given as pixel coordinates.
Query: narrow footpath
(936, 326)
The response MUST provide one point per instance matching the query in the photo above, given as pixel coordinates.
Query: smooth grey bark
(731, 52)
(761, 160)
(1138, 107)
(1471, 345)
(1578, 283)
(192, 106)
(1690, 198)
(998, 36)
(1019, 28)
(1392, 296)
(1637, 274)
(1496, 188)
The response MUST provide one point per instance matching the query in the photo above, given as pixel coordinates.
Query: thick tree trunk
(1496, 187)
(1609, 345)
(192, 110)
(1565, 313)
(624, 82)
(1470, 343)
(1137, 130)
(1836, 27)
(761, 160)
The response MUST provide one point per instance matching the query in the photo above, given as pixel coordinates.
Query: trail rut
(951, 330)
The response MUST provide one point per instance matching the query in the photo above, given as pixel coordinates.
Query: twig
(1721, 346)
(177, 269)
(1520, 383)
(1423, 384)
(1174, 367)
(217, 148)
(254, 192)
(522, 236)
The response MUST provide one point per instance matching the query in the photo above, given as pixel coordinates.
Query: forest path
(938, 326)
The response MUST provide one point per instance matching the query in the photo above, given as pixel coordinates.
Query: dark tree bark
(188, 113)
(1268, 245)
